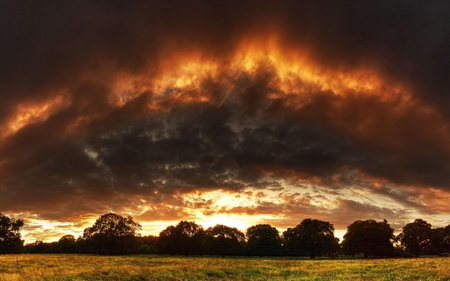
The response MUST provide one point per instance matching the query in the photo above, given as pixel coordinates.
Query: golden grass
(90, 267)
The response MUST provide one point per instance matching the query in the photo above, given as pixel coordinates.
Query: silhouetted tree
(416, 236)
(10, 241)
(113, 234)
(225, 240)
(42, 247)
(197, 242)
(85, 245)
(167, 242)
(113, 225)
(263, 240)
(67, 244)
(439, 240)
(189, 236)
(311, 237)
(31, 247)
(370, 238)
(185, 238)
(147, 244)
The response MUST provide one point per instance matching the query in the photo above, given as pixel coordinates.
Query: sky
(223, 112)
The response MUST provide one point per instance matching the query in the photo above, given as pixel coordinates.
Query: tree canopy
(369, 237)
(113, 225)
(263, 240)
(416, 236)
(10, 240)
(225, 240)
(440, 240)
(184, 238)
(67, 244)
(311, 237)
(112, 234)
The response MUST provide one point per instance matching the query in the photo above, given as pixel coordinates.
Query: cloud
(103, 105)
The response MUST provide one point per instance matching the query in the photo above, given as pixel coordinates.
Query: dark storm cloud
(192, 147)
(409, 39)
(92, 150)
(406, 39)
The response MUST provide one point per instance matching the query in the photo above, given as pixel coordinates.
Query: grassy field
(87, 267)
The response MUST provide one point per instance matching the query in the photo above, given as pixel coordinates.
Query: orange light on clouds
(179, 80)
(45, 230)
(181, 75)
(295, 65)
(218, 200)
(29, 113)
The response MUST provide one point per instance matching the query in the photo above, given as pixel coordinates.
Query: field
(90, 267)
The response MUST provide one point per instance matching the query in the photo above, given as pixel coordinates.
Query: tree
(147, 244)
(167, 242)
(311, 237)
(113, 225)
(445, 240)
(42, 247)
(263, 240)
(67, 244)
(10, 240)
(439, 240)
(189, 236)
(225, 240)
(369, 238)
(184, 238)
(113, 234)
(416, 236)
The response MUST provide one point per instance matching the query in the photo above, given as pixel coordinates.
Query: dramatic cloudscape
(223, 112)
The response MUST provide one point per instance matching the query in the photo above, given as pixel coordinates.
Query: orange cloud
(32, 112)
(272, 113)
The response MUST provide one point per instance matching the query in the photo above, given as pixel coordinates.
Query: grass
(90, 267)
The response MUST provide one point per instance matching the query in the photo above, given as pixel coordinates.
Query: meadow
(144, 267)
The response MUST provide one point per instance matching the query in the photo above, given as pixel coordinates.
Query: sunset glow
(30, 113)
(223, 113)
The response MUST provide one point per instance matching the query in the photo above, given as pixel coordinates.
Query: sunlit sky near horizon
(232, 112)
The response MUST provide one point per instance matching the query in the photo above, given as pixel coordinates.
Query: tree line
(114, 234)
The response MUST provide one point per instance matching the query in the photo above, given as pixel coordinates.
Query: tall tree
(67, 244)
(184, 238)
(416, 237)
(113, 234)
(225, 240)
(311, 237)
(445, 240)
(190, 236)
(369, 238)
(440, 240)
(113, 225)
(167, 242)
(10, 240)
(263, 240)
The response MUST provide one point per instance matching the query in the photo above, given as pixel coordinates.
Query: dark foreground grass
(90, 267)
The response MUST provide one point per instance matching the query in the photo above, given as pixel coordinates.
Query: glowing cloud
(223, 112)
